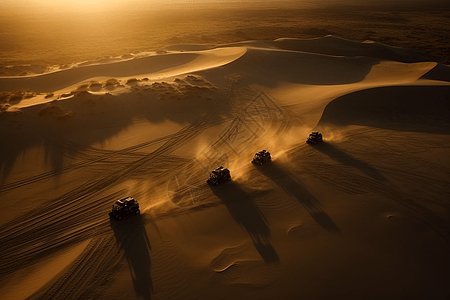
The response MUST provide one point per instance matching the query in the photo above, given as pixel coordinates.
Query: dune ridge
(158, 65)
(336, 46)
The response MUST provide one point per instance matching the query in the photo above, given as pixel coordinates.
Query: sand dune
(332, 45)
(407, 108)
(159, 66)
(363, 215)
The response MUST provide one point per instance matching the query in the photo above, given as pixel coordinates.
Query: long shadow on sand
(244, 212)
(423, 109)
(132, 238)
(299, 67)
(346, 159)
(65, 130)
(293, 187)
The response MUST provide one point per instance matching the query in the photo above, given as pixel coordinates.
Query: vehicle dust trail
(69, 218)
(74, 277)
(259, 118)
(80, 214)
(188, 190)
(72, 217)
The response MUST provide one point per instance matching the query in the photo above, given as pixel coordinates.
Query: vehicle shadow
(244, 212)
(132, 238)
(346, 159)
(293, 187)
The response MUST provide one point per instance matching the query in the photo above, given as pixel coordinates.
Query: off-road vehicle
(123, 207)
(262, 157)
(219, 175)
(314, 138)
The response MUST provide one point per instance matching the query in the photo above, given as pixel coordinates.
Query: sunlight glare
(76, 6)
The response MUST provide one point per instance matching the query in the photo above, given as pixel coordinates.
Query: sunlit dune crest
(364, 214)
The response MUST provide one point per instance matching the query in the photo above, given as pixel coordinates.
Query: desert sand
(364, 215)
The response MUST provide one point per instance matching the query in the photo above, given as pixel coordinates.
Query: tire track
(80, 214)
(73, 217)
(109, 156)
(90, 274)
(75, 151)
(36, 235)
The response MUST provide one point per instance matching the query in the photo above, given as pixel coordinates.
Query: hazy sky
(90, 6)
(61, 32)
(87, 6)
(69, 5)
(108, 4)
